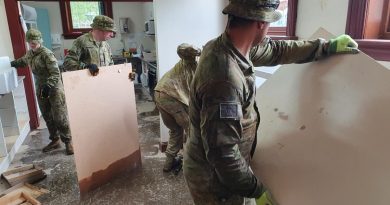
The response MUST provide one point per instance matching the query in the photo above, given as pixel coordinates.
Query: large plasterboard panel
(103, 122)
(324, 133)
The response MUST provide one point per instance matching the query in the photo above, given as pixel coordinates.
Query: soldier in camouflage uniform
(91, 50)
(171, 98)
(49, 90)
(223, 113)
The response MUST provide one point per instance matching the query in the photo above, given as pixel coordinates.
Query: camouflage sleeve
(278, 52)
(52, 69)
(111, 60)
(20, 62)
(71, 61)
(221, 137)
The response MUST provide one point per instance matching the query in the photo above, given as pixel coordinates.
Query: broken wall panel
(324, 132)
(103, 122)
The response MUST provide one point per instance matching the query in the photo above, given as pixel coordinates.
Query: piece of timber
(29, 174)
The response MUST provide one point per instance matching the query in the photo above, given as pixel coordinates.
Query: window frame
(378, 49)
(288, 32)
(68, 31)
(385, 27)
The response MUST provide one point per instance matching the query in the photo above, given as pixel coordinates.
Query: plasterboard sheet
(324, 132)
(103, 122)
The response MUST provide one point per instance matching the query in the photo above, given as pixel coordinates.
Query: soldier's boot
(54, 144)
(168, 164)
(69, 148)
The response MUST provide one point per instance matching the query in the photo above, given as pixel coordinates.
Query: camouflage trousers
(204, 184)
(175, 116)
(55, 114)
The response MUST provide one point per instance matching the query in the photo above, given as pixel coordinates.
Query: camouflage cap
(33, 35)
(258, 10)
(104, 23)
(187, 51)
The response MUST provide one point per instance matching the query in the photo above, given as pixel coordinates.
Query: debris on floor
(23, 194)
(28, 173)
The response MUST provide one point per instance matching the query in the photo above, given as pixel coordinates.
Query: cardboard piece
(324, 133)
(21, 174)
(103, 122)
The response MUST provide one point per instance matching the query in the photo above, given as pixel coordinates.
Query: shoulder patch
(232, 111)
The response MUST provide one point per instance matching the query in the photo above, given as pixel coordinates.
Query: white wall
(55, 22)
(385, 63)
(329, 14)
(184, 21)
(138, 13)
(5, 38)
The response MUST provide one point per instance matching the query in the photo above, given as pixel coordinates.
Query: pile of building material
(21, 192)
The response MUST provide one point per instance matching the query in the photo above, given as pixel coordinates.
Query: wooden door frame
(19, 49)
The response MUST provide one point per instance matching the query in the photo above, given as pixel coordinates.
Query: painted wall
(138, 13)
(5, 38)
(55, 22)
(313, 14)
(385, 63)
(175, 24)
(329, 14)
(184, 21)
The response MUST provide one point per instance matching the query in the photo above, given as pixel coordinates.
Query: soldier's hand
(45, 91)
(343, 44)
(265, 199)
(132, 76)
(93, 69)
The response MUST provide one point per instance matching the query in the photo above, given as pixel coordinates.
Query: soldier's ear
(261, 24)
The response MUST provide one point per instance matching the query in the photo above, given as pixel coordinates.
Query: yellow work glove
(265, 199)
(343, 44)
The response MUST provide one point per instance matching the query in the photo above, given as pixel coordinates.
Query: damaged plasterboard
(324, 132)
(103, 122)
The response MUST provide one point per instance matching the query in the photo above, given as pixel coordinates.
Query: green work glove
(343, 44)
(265, 199)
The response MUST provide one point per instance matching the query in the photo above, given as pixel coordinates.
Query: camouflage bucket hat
(258, 10)
(104, 23)
(34, 35)
(187, 51)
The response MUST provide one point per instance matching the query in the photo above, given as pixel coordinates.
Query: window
(77, 16)
(385, 26)
(368, 23)
(285, 27)
(83, 13)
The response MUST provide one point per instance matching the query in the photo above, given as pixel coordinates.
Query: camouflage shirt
(176, 82)
(86, 50)
(43, 65)
(224, 116)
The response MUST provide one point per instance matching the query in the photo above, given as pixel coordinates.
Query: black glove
(45, 91)
(13, 64)
(93, 69)
(132, 76)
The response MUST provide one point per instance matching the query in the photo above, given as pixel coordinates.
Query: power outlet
(56, 39)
